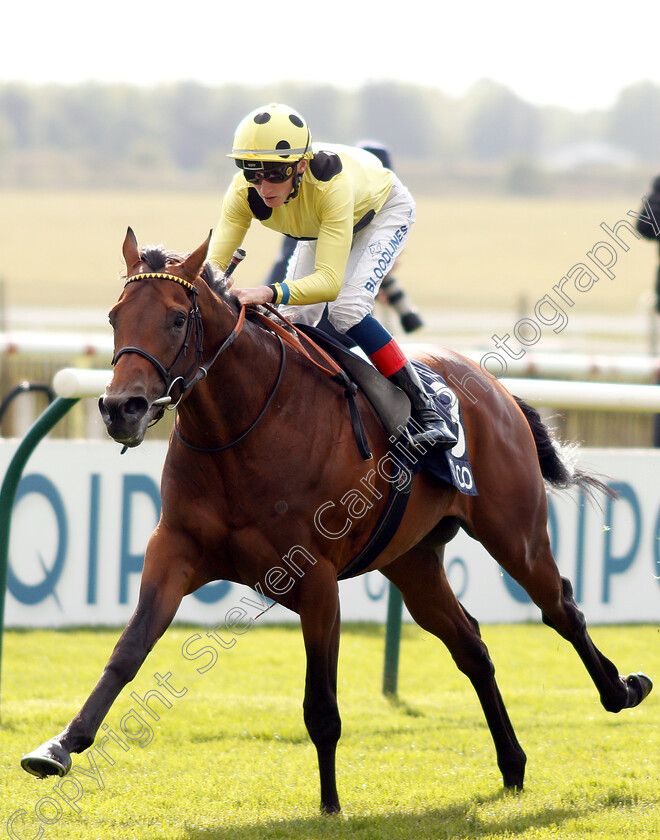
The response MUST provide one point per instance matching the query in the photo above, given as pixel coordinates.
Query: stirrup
(435, 432)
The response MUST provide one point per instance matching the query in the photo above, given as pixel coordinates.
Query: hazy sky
(576, 54)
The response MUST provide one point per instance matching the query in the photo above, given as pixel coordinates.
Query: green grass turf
(231, 760)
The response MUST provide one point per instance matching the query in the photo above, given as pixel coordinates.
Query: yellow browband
(157, 275)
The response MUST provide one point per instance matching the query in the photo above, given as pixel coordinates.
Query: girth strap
(381, 536)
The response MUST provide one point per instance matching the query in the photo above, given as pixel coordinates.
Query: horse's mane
(158, 258)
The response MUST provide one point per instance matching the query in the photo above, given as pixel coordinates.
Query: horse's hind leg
(160, 596)
(534, 568)
(420, 576)
(616, 692)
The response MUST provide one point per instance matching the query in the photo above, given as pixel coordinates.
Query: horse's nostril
(135, 407)
(116, 410)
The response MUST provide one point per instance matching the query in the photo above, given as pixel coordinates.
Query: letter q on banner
(35, 593)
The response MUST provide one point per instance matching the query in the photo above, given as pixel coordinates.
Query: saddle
(390, 403)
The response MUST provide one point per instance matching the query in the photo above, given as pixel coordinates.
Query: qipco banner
(83, 514)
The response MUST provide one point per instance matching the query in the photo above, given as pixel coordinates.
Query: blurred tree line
(177, 136)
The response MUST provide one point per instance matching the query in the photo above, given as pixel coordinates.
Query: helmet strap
(297, 178)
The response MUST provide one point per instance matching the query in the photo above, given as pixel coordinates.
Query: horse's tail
(557, 459)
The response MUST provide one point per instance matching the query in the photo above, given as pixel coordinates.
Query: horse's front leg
(161, 591)
(320, 620)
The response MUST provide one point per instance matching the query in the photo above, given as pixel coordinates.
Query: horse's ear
(193, 263)
(130, 250)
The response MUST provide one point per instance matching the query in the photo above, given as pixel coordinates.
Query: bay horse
(261, 441)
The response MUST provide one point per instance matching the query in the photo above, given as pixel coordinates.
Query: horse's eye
(179, 320)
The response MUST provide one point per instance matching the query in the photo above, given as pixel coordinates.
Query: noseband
(189, 379)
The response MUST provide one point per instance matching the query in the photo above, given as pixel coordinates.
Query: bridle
(198, 370)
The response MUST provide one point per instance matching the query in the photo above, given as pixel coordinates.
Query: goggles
(276, 173)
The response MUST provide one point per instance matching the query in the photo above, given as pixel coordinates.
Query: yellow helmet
(273, 133)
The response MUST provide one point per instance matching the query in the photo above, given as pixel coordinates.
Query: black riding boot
(435, 433)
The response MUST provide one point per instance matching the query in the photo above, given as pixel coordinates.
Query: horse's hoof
(50, 759)
(514, 786)
(639, 688)
(513, 770)
(514, 780)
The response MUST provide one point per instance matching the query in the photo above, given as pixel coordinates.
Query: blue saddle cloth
(452, 466)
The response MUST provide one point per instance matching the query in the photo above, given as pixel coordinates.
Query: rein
(335, 370)
(242, 436)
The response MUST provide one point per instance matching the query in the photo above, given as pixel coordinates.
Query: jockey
(350, 216)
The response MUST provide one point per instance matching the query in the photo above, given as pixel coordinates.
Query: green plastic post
(55, 411)
(392, 640)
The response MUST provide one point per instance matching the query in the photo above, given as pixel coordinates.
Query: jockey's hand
(259, 295)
